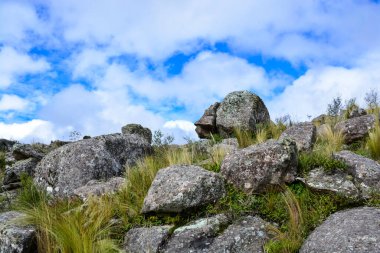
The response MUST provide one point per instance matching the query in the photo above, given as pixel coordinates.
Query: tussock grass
(329, 141)
(245, 138)
(263, 133)
(373, 142)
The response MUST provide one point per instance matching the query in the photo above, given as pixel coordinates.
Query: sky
(92, 66)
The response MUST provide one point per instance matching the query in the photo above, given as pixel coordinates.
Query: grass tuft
(373, 142)
(329, 141)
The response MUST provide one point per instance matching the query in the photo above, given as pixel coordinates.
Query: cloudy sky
(93, 66)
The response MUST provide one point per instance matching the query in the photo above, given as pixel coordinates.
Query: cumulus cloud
(31, 131)
(12, 102)
(15, 64)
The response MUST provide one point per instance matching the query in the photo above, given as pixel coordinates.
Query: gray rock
(147, 240)
(366, 172)
(182, 187)
(73, 165)
(6, 145)
(355, 230)
(322, 129)
(139, 130)
(240, 109)
(335, 181)
(356, 128)
(16, 238)
(304, 134)
(25, 151)
(7, 199)
(99, 188)
(196, 236)
(356, 112)
(231, 141)
(254, 168)
(206, 125)
(13, 174)
(246, 235)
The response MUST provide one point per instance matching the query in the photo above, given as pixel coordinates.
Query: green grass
(329, 141)
(263, 133)
(309, 161)
(373, 142)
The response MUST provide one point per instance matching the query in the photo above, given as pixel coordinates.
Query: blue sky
(94, 66)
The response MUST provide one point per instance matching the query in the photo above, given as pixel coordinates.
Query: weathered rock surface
(25, 151)
(246, 235)
(254, 168)
(356, 128)
(304, 134)
(366, 172)
(356, 112)
(6, 145)
(240, 109)
(99, 188)
(355, 230)
(16, 238)
(139, 130)
(147, 240)
(13, 174)
(334, 181)
(73, 165)
(206, 125)
(7, 199)
(196, 236)
(181, 187)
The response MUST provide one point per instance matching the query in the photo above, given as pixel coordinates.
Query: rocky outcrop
(246, 235)
(239, 109)
(139, 130)
(25, 151)
(99, 188)
(16, 238)
(182, 187)
(206, 125)
(254, 168)
(366, 172)
(304, 134)
(150, 239)
(357, 128)
(196, 236)
(6, 145)
(333, 181)
(73, 165)
(356, 112)
(12, 175)
(355, 230)
(7, 199)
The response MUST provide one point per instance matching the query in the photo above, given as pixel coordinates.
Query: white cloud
(12, 102)
(15, 64)
(34, 130)
(181, 130)
(311, 93)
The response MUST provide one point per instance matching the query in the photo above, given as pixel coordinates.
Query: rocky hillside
(251, 185)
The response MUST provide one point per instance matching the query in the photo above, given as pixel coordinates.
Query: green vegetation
(373, 142)
(2, 165)
(309, 161)
(329, 141)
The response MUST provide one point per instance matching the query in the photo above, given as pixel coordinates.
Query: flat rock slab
(356, 128)
(13, 173)
(181, 187)
(150, 239)
(25, 151)
(336, 182)
(354, 230)
(304, 134)
(16, 238)
(255, 168)
(99, 188)
(196, 236)
(246, 235)
(366, 172)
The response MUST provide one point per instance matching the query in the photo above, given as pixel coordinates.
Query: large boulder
(355, 230)
(240, 109)
(6, 145)
(365, 171)
(139, 130)
(25, 151)
(257, 167)
(13, 174)
(304, 134)
(206, 125)
(150, 239)
(99, 188)
(182, 187)
(357, 128)
(196, 236)
(73, 165)
(333, 181)
(246, 235)
(16, 238)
